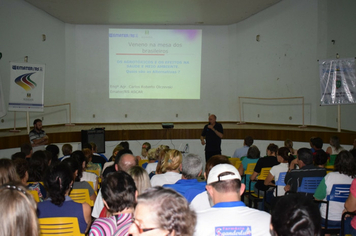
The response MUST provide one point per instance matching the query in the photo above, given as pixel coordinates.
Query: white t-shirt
(232, 220)
(98, 205)
(200, 202)
(88, 176)
(166, 178)
(275, 171)
(151, 167)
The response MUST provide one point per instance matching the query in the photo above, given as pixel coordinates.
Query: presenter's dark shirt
(213, 142)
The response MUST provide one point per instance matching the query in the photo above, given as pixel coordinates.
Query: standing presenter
(211, 137)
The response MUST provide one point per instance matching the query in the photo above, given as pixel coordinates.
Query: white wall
(293, 35)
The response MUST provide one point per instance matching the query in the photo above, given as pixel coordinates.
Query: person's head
(125, 145)
(296, 215)
(317, 143)
(248, 141)
(172, 161)
(253, 152)
(94, 148)
(88, 155)
(119, 192)
(27, 149)
(126, 161)
(151, 154)
(288, 143)
(272, 149)
(165, 212)
(305, 157)
(58, 181)
(141, 178)
(18, 211)
(345, 163)
(67, 149)
(224, 183)
(212, 119)
(115, 152)
(320, 158)
(82, 161)
(37, 124)
(284, 155)
(74, 166)
(335, 142)
(49, 158)
(145, 147)
(192, 166)
(8, 171)
(213, 161)
(38, 165)
(22, 169)
(120, 154)
(160, 161)
(54, 150)
(18, 155)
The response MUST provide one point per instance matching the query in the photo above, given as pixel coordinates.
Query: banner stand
(15, 130)
(338, 118)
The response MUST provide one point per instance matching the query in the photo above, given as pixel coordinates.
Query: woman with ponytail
(58, 181)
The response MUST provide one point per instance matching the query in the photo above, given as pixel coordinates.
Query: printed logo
(232, 230)
(25, 82)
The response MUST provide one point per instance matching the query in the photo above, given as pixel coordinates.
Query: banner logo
(25, 82)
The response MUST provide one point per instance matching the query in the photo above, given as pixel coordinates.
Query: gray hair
(192, 165)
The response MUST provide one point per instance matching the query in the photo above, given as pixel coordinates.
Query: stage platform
(187, 130)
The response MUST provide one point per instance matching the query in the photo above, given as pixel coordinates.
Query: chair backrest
(233, 160)
(339, 193)
(141, 162)
(281, 177)
(264, 173)
(237, 164)
(59, 226)
(94, 171)
(250, 169)
(309, 184)
(81, 196)
(332, 160)
(34, 193)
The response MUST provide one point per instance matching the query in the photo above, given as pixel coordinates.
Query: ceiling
(152, 12)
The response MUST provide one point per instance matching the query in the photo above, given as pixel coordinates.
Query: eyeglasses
(142, 230)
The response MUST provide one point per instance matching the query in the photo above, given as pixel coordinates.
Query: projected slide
(154, 64)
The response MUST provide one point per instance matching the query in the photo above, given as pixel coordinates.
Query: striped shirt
(117, 225)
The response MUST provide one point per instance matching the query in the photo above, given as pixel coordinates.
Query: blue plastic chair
(339, 193)
(280, 181)
(309, 184)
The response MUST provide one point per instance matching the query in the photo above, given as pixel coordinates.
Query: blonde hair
(172, 160)
(141, 178)
(18, 211)
(162, 154)
(151, 155)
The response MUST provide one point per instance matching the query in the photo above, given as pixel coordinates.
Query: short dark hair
(253, 152)
(120, 153)
(345, 163)
(26, 148)
(297, 215)
(18, 155)
(305, 155)
(226, 186)
(118, 191)
(215, 160)
(320, 157)
(21, 167)
(38, 165)
(125, 145)
(317, 142)
(80, 157)
(248, 141)
(272, 148)
(36, 121)
(73, 165)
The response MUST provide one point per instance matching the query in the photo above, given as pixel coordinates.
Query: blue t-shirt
(189, 188)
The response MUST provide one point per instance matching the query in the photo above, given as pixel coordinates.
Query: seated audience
(114, 166)
(90, 165)
(18, 155)
(294, 176)
(37, 168)
(119, 196)
(295, 215)
(144, 151)
(77, 170)
(335, 146)
(18, 211)
(152, 161)
(289, 144)
(54, 150)
(8, 171)
(95, 157)
(229, 214)
(188, 185)
(95, 151)
(85, 176)
(58, 181)
(345, 171)
(202, 200)
(67, 149)
(242, 152)
(350, 205)
(160, 161)
(253, 154)
(268, 161)
(141, 178)
(27, 149)
(284, 157)
(316, 144)
(162, 212)
(170, 169)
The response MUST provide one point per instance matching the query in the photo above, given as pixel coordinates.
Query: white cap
(221, 168)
